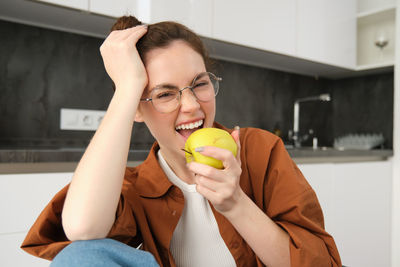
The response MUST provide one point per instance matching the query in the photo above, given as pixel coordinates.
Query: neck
(177, 162)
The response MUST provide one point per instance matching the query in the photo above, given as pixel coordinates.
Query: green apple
(209, 137)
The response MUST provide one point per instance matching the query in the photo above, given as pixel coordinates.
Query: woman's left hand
(220, 187)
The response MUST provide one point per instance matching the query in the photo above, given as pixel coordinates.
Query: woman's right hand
(122, 61)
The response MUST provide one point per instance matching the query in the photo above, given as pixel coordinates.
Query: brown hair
(161, 34)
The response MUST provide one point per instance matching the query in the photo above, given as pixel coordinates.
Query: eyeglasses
(166, 98)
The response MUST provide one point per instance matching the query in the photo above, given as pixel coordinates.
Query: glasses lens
(165, 99)
(205, 86)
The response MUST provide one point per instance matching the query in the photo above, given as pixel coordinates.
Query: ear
(138, 115)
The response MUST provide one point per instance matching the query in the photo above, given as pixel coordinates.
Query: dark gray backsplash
(258, 97)
(364, 105)
(43, 70)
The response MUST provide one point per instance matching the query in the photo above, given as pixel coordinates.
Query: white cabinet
(311, 37)
(263, 24)
(12, 255)
(323, 31)
(362, 213)
(22, 198)
(326, 31)
(197, 15)
(356, 201)
(76, 4)
(115, 8)
(320, 177)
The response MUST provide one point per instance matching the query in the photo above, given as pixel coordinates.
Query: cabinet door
(263, 24)
(12, 255)
(362, 213)
(76, 4)
(23, 197)
(197, 15)
(320, 177)
(326, 31)
(115, 8)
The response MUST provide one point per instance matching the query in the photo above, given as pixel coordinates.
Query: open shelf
(376, 12)
(383, 65)
(372, 25)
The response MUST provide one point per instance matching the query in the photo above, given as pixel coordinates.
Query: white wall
(396, 150)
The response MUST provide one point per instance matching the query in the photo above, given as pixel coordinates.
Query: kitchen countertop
(65, 159)
(331, 155)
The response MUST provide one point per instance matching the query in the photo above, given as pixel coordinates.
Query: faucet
(295, 135)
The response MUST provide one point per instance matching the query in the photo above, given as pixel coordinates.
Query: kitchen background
(42, 71)
(268, 52)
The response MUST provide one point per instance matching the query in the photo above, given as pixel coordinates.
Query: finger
(126, 33)
(215, 197)
(205, 170)
(236, 136)
(137, 33)
(209, 194)
(119, 36)
(210, 184)
(224, 155)
(123, 39)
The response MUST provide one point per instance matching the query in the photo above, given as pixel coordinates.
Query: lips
(190, 125)
(186, 129)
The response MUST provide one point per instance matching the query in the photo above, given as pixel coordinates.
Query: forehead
(177, 63)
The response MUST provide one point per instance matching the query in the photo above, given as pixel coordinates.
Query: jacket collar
(151, 181)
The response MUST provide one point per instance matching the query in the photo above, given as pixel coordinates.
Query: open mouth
(187, 129)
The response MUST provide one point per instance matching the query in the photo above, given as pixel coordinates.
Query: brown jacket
(150, 207)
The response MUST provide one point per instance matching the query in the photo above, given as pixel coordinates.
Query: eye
(200, 84)
(165, 94)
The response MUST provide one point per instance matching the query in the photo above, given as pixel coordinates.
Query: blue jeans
(102, 252)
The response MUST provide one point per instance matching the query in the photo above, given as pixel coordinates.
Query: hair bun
(125, 22)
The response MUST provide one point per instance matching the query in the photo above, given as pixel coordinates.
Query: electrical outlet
(80, 119)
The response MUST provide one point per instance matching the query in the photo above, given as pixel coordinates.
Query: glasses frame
(191, 87)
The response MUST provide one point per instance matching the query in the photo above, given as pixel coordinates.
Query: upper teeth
(189, 125)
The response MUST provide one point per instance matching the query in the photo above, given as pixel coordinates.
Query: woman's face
(177, 65)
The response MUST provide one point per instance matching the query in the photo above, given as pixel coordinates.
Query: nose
(188, 101)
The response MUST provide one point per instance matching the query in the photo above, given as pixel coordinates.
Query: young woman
(258, 210)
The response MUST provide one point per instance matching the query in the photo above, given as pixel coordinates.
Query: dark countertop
(32, 155)
(65, 159)
(331, 155)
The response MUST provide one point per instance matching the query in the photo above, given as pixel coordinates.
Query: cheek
(209, 109)
(156, 121)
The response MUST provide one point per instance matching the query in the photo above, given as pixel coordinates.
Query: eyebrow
(164, 85)
(170, 85)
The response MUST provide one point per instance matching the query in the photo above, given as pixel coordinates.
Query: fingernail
(237, 128)
(199, 149)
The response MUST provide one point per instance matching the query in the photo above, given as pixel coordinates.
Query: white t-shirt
(196, 241)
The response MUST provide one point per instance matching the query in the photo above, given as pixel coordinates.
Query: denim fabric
(102, 252)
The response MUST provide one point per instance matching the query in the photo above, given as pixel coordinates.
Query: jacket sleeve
(283, 193)
(46, 237)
